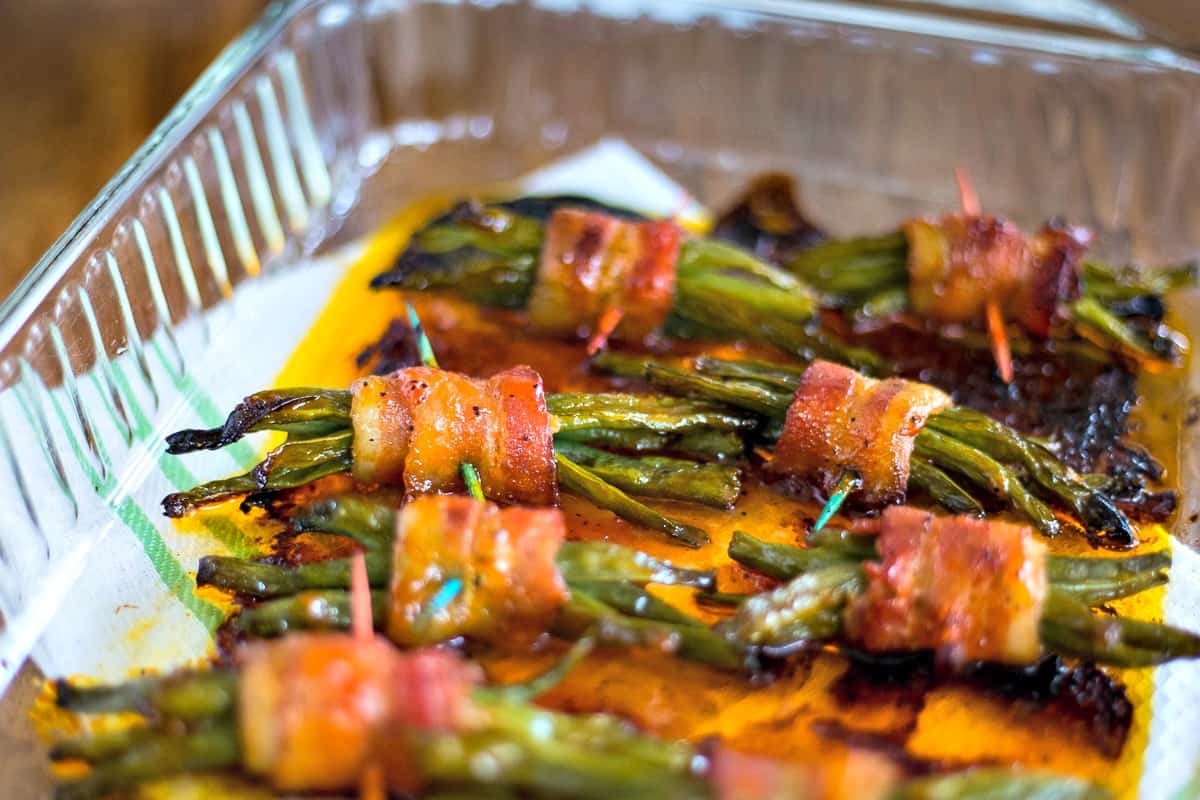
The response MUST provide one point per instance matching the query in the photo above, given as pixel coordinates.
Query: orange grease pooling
(676, 698)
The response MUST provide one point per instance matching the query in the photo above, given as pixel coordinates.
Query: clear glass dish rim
(238, 57)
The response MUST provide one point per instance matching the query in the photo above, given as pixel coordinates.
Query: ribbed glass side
(329, 116)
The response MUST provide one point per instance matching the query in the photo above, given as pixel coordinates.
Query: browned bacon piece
(313, 707)
(967, 588)
(593, 263)
(417, 426)
(958, 263)
(465, 568)
(841, 420)
(1055, 254)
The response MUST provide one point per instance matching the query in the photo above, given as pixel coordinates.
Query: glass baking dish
(325, 117)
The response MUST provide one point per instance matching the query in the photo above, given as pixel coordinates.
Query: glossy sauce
(806, 712)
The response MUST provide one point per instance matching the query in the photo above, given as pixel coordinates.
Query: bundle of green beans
(489, 255)
(190, 726)
(696, 434)
(957, 446)
(821, 578)
(606, 583)
(869, 277)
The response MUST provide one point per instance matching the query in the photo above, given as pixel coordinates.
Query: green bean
(697, 444)
(212, 748)
(883, 304)
(490, 260)
(860, 276)
(990, 783)
(604, 561)
(552, 754)
(584, 614)
(794, 305)
(489, 255)
(941, 488)
(259, 579)
(583, 482)
(1089, 312)
(188, 697)
(984, 471)
(1070, 628)
(807, 608)
(576, 561)
(741, 394)
(634, 601)
(655, 476)
(1108, 284)
(623, 365)
(700, 257)
(372, 524)
(1090, 580)
(1074, 568)
(713, 310)
(781, 561)
(1094, 509)
(851, 545)
(831, 257)
(641, 413)
(302, 413)
(294, 463)
(1097, 591)
(317, 609)
(721, 599)
(779, 377)
(492, 228)
(102, 745)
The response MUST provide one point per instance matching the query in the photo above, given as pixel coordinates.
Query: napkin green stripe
(178, 582)
(179, 476)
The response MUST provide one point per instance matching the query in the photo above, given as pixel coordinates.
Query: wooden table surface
(86, 81)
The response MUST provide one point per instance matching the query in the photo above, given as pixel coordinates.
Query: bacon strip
(958, 263)
(417, 426)
(970, 589)
(1056, 253)
(312, 708)
(465, 568)
(841, 420)
(593, 262)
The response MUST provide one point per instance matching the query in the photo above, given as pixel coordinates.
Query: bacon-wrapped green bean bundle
(839, 431)
(419, 427)
(959, 268)
(469, 569)
(587, 271)
(968, 589)
(335, 713)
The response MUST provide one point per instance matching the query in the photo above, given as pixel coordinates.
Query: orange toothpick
(1001, 352)
(371, 786)
(967, 195)
(361, 623)
(608, 323)
(764, 454)
(999, 336)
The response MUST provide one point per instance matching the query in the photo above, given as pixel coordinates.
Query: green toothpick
(424, 348)
(470, 475)
(847, 483)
